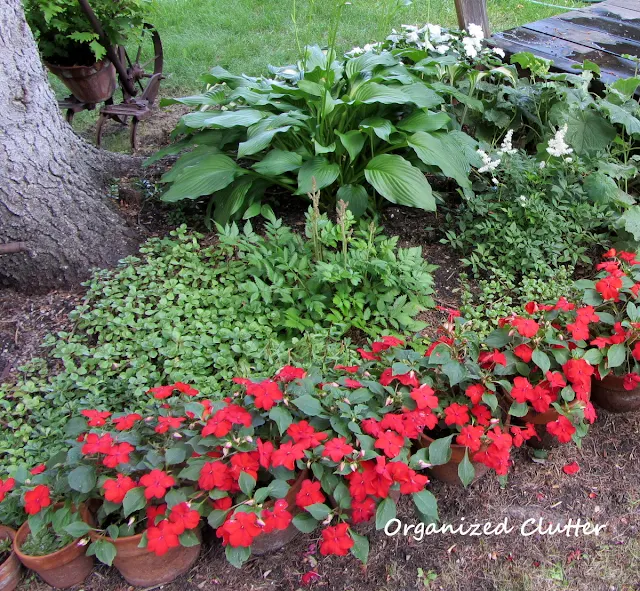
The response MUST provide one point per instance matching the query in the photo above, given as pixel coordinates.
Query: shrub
(202, 315)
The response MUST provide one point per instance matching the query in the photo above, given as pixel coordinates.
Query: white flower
(557, 146)
(476, 31)
(506, 147)
(568, 159)
(471, 46)
(489, 165)
(442, 49)
(495, 181)
(435, 34)
(523, 200)
(542, 164)
(499, 51)
(413, 37)
(355, 51)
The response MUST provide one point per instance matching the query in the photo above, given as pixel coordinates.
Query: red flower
(309, 494)
(94, 444)
(38, 469)
(416, 421)
(185, 389)
(287, 455)
(368, 355)
(563, 429)
(156, 484)
(305, 435)
(126, 422)
(221, 423)
(351, 383)
(609, 288)
(482, 414)
(184, 517)
(336, 449)
(118, 454)
(278, 519)
(96, 418)
(390, 443)
(631, 381)
(37, 499)
(571, 468)
(579, 331)
(424, 397)
(223, 504)
(161, 538)
(215, 475)
(247, 462)
(348, 368)
(555, 380)
(240, 530)
(522, 390)
(5, 487)
(309, 577)
(386, 343)
(161, 392)
(155, 511)
(166, 423)
(371, 427)
(470, 436)
(116, 490)
(475, 392)
(541, 398)
(489, 358)
(524, 352)
(336, 540)
(563, 304)
(362, 511)
(590, 413)
(456, 414)
(409, 480)
(264, 453)
(526, 327)
(289, 373)
(266, 394)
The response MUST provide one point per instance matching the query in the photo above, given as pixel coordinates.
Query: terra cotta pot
(89, 84)
(609, 393)
(449, 472)
(65, 568)
(10, 568)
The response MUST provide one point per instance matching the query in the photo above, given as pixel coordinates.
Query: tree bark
(53, 185)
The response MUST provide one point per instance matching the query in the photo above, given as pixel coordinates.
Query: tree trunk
(53, 185)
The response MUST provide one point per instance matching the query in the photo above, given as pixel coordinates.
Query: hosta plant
(361, 129)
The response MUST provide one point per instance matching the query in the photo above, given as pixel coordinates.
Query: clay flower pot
(65, 568)
(142, 568)
(609, 393)
(265, 543)
(449, 472)
(10, 568)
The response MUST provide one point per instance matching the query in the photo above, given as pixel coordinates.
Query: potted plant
(71, 48)
(9, 563)
(615, 340)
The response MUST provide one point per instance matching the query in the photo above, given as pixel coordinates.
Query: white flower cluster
(356, 51)
(557, 146)
(522, 200)
(489, 165)
(473, 43)
(506, 147)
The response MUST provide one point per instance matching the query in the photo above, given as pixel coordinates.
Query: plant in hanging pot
(48, 542)
(615, 340)
(70, 46)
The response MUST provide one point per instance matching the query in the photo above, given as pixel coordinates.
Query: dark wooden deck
(600, 33)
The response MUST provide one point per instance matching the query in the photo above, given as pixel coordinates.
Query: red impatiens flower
(185, 389)
(287, 455)
(367, 355)
(183, 517)
(221, 423)
(310, 493)
(590, 413)
(348, 368)
(278, 519)
(161, 392)
(335, 449)
(247, 462)
(482, 414)
(289, 373)
(5, 487)
(362, 511)
(475, 393)
(410, 481)
(489, 358)
(37, 499)
(390, 443)
(156, 484)
(571, 468)
(386, 343)
(265, 449)
(470, 436)
(525, 326)
(631, 381)
(126, 422)
(351, 383)
(94, 444)
(239, 530)
(524, 352)
(406, 379)
(116, 490)
(154, 512)
(309, 577)
(609, 288)
(38, 469)
(223, 504)
(266, 394)
(522, 390)
(166, 423)
(304, 435)
(118, 454)
(371, 427)
(424, 397)
(541, 398)
(562, 429)
(161, 538)
(336, 540)
(96, 418)
(456, 414)
(215, 475)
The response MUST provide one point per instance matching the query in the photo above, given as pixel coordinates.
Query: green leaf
(176, 455)
(466, 471)
(630, 220)
(104, 551)
(305, 523)
(440, 451)
(426, 504)
(601, 188)
(188, 539)
(75, 427)
(282, 418)
(588, 132)
(498, 338)
(175, 497)
(353, 141)
(626, 86)
(212, 173)
(237, 556)
(83, 478)
(77, 529)
(308, 405)
(424, 121)
(372, 92)
(616, 355)
(400, 182)
(223, 119)
(258, 142)
(278, 489)
(356, 198)
(455, 371)
(621, 116)
(592, 356)
(318, 511)
(381, 127)
(134, 500)
(360, 548)
(518, 409)
(247, 483)
(319, 169)
(541, 360)
(216, 518)
(386, 512)
(277, 162)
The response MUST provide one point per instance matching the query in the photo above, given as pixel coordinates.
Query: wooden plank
(599, 40)
(602, 21)
(473, 12)
(613, 12)
(628, 4)
(512, 45)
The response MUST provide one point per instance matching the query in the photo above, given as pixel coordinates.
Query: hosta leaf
(399, 182)
(319, 169)
(260, 141)
(381, 127)
(421, 96)
(352, 141)
(424, 121)
(278, 162)
(372, 92)
(356, 198)
(223, 119)
(368, 61)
